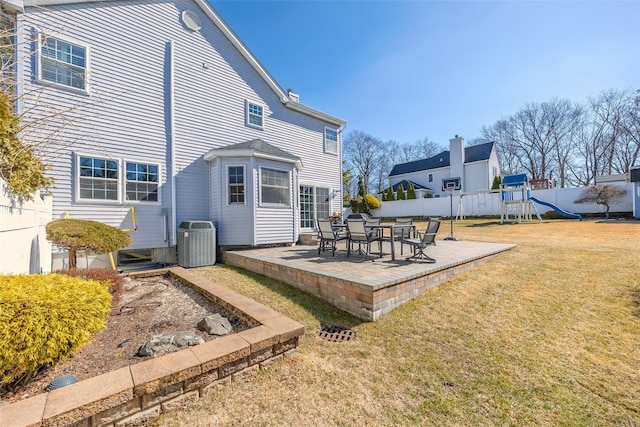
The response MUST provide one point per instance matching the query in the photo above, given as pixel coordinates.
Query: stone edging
(132, 395)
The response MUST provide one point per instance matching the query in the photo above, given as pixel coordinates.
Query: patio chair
(359, 234)
(422, 240)
(328, 235)
(403, 228)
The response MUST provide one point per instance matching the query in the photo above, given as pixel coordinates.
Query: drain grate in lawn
(337, 334)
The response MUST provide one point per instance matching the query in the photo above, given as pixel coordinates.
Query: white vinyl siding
(63, 63)
(212, 82)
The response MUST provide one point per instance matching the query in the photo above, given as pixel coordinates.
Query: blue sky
(405, 70)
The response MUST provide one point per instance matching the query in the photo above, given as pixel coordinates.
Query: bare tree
(537, 139)
(604, 194)
(363, 154)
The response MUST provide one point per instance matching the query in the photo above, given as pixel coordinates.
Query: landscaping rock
(169, 342)
(215, 324)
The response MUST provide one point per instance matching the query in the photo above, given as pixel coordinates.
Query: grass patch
(544, 334)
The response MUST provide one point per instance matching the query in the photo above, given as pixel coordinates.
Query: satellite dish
(191, 20)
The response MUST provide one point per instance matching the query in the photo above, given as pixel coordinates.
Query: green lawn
(547, 333)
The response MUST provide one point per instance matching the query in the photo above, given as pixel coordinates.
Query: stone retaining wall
(132, 395)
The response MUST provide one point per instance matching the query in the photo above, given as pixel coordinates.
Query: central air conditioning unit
(196, 244)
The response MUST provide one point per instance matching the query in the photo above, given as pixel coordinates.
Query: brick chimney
(456, 158)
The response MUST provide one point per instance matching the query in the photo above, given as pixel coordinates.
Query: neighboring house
(158, 106)
(467, 168)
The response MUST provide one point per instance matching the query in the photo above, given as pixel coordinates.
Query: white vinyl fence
(488, 204)
(23, 244)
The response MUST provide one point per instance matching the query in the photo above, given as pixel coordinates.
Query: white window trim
(228, 194)
(121, 181)
(247, 115)
(327, 141)
(76, 181)
(274, 205)
(87, 68)
(123, 186)
(430, 178)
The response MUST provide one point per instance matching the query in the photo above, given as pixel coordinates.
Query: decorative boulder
(169, 342)
(215, 324)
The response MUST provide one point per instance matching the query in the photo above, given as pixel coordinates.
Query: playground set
(517, 204)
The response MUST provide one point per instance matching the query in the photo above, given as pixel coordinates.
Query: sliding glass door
(314, 203)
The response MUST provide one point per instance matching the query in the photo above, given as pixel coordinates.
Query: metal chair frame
(328, 235)
(422, 240)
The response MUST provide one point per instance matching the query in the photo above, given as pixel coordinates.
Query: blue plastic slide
(557, 209)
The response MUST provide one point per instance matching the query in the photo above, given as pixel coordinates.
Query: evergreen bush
(411, 192)
(44, 318)
(390, 194)
(401, 195)
(496, 183)
(81, 235)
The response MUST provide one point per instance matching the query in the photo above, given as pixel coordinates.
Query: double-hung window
(98, 179)
(430, 177)
(330, 140)
(142, 182)
(275, 188)
(255, 115)
(63, 63)
(236, 185)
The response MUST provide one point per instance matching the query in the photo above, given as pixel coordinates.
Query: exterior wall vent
(191, 20)
(196, 244)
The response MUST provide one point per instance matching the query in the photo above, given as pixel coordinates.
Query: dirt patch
(147, 307)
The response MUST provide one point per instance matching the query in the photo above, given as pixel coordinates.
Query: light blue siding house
(158, 106)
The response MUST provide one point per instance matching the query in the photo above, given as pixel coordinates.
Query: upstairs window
(274, 187)
(330, 140)
(236, 185)
(255, 115)
(63, 63)
(98, 179)
(142, 182)
(430, 177)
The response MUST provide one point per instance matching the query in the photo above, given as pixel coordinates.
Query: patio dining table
(392, 228)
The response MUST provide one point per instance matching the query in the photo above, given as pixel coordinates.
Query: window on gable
(330, 140)
(63, 63)
(255, 115)
(98, 179)
(274, 187)
(236, 184)
(142, 182)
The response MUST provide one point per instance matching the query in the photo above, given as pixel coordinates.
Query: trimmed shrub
(372, 201)
(553, 215)
(401, 195)
(496, 183)
(411, 192)
(390, 194)
(114, 279)
(81, 235)
(44, 318)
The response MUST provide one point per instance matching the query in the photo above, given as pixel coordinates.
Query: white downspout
(172, 143)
